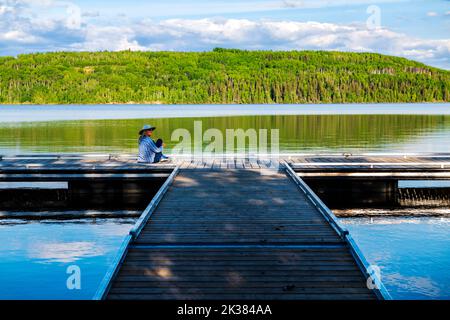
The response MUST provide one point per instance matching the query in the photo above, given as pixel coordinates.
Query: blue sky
(416, 29)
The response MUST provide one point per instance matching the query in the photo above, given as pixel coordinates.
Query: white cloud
(18, 36)
(201, 34)
(432, 14)
(6, 9)
(108, 38)
(29, 31)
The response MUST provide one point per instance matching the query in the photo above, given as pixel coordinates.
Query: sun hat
(145, 128)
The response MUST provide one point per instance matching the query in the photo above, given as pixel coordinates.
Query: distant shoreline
(159, 103)
(42, 113)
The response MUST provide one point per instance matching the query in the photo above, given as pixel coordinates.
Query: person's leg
(159, 144)
(157, 157)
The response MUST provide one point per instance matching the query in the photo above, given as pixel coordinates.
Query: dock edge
(105, 285)
(380, 292)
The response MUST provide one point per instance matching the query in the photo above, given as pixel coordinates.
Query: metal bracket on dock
(361, 261)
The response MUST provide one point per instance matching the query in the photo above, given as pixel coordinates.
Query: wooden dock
(409, 166)
(229, 232)
(237, 234)
(395, 167)
(219, 229)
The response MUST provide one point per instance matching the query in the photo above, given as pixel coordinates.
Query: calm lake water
(329, 128)
(35, 256)
(413, 253)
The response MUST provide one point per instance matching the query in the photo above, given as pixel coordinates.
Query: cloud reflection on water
(64, 252)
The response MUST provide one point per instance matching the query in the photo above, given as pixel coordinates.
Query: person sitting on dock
(149, 150)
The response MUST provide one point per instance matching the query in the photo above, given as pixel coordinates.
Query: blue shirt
(147, 150)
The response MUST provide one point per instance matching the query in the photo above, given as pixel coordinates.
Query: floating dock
(236, 234)
(226, 229)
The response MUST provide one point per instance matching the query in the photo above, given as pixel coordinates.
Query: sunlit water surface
(413, 253)
(35, 256)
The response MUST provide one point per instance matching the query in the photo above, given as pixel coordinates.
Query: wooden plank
(239, 274)
(256, 280)
(242, 290)
(242, 207)
(236, 296)
(134, 232)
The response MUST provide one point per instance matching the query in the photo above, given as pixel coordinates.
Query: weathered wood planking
(373, 167)
(116, 163)
(242, 194)
(237, 234)
(235, 273)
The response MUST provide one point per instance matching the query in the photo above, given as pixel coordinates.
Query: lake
(413, 253)
(35, 256)
(304, 128)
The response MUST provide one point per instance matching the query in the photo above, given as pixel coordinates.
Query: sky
(415, 29)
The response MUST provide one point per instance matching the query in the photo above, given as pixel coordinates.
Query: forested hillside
(220, 76)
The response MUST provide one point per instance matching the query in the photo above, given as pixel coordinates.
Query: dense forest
(221, 76)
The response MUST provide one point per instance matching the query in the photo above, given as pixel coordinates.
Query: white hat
(145, 128)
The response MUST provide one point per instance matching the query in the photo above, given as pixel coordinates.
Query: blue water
(412, 253)
(35, 256)
(424, 184)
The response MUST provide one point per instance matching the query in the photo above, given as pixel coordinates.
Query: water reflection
(420, 286)
(412, 253)
(311, 133)
(35, 256)
(63, 252)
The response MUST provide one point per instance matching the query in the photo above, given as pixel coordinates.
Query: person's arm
(152, 146)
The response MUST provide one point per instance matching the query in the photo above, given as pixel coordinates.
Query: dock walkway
(237, 234)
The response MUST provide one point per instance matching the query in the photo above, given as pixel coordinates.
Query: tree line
(222, 76)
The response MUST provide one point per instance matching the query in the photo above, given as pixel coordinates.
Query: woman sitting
(149, 150)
